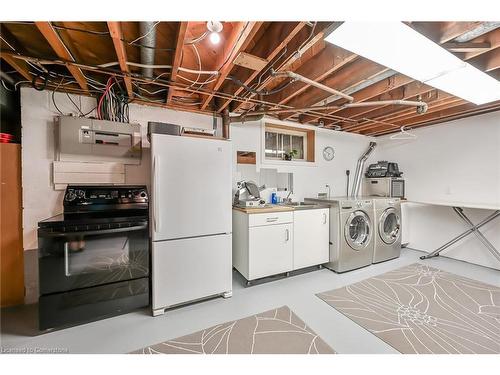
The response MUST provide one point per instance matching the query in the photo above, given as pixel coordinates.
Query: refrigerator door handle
(156, 190)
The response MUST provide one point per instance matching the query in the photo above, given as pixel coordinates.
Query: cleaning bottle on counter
(274, 198)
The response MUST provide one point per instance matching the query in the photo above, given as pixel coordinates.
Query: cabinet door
(270, 250)
(311, 238)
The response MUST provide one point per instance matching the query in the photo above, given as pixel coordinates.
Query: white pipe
(418, 104)
(298, 77)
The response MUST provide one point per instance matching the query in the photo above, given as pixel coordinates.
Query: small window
(288, 143)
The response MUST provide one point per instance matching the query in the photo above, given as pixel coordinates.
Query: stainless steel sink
(298, 204)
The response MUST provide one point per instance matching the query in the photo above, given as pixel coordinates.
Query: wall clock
(328, 153)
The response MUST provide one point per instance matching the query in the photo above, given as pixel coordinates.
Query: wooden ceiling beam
(341, 80)
(406, 92)
(284, 34)
(238, 41)
(460, 110)
(437, 106)
(487, 61)
(179, 44)
(369, 93)
(297, 50)
(19, 65)
(448, 31)
(115, 30)
(325, 63)
(493, 38)
(404, 114)
(452, 30)
(62, 51)
(467, 46)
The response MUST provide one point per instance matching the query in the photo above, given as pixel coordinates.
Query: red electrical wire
(108, 87)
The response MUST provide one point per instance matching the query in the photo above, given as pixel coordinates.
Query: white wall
(308, 178)
(40, 200)
(454, 161)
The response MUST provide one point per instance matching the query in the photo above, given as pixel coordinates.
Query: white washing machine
(387, 214)
(351, 232)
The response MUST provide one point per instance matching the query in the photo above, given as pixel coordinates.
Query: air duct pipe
(356, 184)
(148, 41)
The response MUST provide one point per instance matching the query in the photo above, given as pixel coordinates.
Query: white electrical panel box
(83, 139)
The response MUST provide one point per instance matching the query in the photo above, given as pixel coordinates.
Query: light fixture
(214, 38)
(214, 27)
(401, 48)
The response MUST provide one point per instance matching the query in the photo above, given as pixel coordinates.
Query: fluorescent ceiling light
(468, 83)
(399, 47)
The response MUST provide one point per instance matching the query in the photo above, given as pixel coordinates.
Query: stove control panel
(90, 195)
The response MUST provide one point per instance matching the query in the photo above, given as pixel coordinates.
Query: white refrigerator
(191, 219)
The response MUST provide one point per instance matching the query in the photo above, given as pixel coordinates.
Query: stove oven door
(71, 258)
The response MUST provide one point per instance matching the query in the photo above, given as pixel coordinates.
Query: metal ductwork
(356, 184)
(149, 42)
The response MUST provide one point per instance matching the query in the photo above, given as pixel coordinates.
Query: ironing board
(473, 228)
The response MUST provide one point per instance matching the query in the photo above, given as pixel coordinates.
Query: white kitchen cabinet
(311, 237)
(262, 243)
(271, 250)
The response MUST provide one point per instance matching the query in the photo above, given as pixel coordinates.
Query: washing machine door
(357, 231)
(389, 226)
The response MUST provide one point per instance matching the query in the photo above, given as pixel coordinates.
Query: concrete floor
(132, 331)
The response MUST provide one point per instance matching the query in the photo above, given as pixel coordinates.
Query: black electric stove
(94, 259)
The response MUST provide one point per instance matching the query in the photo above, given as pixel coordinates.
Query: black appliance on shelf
(383, 169)
(94, 259)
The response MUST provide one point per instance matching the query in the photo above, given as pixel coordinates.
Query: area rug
(421, 309)
(277, 331)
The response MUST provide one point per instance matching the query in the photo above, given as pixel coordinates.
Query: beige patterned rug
(277, 331)
(420, 309)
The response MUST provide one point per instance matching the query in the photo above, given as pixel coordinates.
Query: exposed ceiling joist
(20, 66)
(358, 92)
(467, 46)
(62, 51)
(238, 41)
(453, 112)
(181, 36)
(488, 61)
(341, 80)
(296, 48)
(115, 30)
(493, 38)
(452, 30)
(406, 92)
(325, 63)
(260, 49)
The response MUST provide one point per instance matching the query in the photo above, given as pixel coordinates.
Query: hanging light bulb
(215, 27)
(214, 38)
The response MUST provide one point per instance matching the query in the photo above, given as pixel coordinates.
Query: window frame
(275, 130)
(309, 136)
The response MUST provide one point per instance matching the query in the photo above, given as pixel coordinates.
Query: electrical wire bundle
(112, 105)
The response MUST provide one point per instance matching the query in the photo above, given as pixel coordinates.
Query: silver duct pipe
(356, 183)
(149, 40)
(7, 78)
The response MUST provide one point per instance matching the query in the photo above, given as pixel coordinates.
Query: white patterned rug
(277, 331)
(421, 309)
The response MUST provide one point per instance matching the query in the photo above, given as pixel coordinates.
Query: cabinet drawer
(270, 218)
